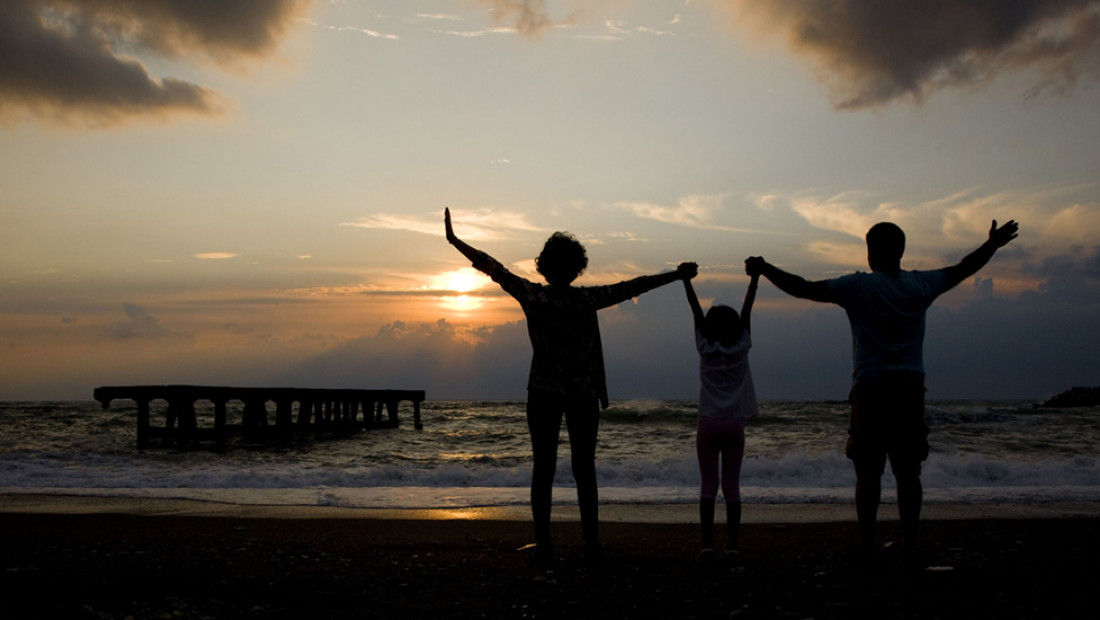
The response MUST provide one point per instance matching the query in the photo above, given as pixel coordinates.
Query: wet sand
(102, 558)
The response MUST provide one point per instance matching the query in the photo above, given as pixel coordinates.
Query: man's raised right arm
(796, 286)
(968, 266)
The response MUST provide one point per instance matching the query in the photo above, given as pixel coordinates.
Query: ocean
(476, 454)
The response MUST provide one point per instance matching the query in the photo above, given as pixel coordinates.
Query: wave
(796, 470)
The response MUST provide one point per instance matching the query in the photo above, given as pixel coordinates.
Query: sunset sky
(252, 193)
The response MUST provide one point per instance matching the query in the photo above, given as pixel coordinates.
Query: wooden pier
(318, 410)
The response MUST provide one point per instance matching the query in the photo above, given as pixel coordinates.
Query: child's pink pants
(723, 437)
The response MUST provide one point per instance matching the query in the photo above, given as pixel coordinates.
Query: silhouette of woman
(567, 370)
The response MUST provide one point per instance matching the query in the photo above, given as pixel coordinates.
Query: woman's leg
(582, 419)
(544, 424)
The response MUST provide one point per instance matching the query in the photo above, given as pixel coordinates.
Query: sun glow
(462, 303)
(460, 281)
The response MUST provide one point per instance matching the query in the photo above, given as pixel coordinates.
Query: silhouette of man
(886, 310)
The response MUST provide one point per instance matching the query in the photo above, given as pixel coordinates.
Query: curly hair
(562, 259)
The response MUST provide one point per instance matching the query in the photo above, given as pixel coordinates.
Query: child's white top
(726, 389)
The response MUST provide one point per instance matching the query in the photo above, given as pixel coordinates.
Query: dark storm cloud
(1077, 261)
(1071, 278)
(872, 52)
(74, 59)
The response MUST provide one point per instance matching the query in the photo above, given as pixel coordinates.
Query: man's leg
(910, 498)
(868, 496)
(870, 462)
(908, 449)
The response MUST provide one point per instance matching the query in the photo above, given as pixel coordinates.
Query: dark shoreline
(133, 566)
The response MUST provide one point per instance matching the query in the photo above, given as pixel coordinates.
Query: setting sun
(460, 281)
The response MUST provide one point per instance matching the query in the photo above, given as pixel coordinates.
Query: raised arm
(789, 283)
(693, 302)
(968, 266)
(467, 250)
(750, 297)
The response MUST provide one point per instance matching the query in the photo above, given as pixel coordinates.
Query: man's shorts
(888, 421)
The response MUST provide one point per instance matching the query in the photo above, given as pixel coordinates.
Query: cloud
(450, 362)
(840, 213)
(695, 211)
(439, 16)
(617, 30)
(1073, 275)
(1052, 214)
(872, 52)
(356, 29)
(73, 61)
(1077, 223)
(851, 255)
(476, 225)
(215, 255)
(528, 17)
(140, 325)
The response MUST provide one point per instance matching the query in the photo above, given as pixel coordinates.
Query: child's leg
(733, 452)
(706, 521)
(733, 524)
(707, 450)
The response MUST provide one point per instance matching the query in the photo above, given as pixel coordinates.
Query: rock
(1075, 397)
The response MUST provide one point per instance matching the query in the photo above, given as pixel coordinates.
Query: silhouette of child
(726, 399)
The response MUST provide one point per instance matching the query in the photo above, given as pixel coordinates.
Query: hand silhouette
(754, 265)
(1001, 236)
(447, 224)
(688, 270)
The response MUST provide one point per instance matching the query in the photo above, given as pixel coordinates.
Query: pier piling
(320, 410)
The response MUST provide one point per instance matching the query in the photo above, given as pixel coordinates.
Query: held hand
(447, 225)
(687, 271)
(754, 265)
(1001, 236)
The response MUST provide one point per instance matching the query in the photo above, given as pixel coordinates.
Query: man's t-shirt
(886, 312)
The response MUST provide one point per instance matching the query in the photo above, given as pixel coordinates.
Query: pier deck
(318, 410)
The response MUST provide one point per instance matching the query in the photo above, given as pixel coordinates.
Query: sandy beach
(112, 558)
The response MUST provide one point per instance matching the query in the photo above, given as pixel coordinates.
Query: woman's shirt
(565, 333)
